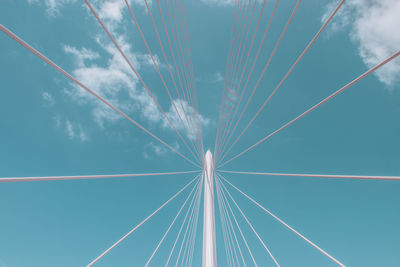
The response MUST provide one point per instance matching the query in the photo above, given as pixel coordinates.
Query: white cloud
(373, 27)
(150, 111)
(48, 99)
(218, 77)
(81, 55)
(69, 129)
(114, 81)
(75, 131)
(57, 120)
(82, 135)
(112, 11)
(222, 2)
(52, 6)
(112, 78)
(146, 60)
(219, 2)
(157, 150)
(186, 114)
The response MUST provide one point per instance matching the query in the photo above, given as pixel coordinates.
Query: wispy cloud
(113, 81)
(73, 130)
(116, 82)
(218, 77)
(105, 71)
(157, 149)
(52, 6)
(110, 10)
(222, 2)
(69, 129)
(154, 149)
(185, 116)
(57, 120)
(82, 55)
(219, 2)
(373, 27)
(48, 99)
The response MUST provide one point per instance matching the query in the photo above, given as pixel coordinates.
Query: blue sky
(50, 127)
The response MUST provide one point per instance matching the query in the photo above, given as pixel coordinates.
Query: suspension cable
(140, 224)
(82, 177)
(285, 224)
(259, 47)
(183, 223)
(231, 85)
(238, 64)
(172, 223)
(263, 72)
(240, 230)
(158, 70)
(290, 70)
(371, 70)
(173, 58)
(138, 76)
(224, 207)
(228, 60)
(249, 223)
(331, 176)
(66, 74)
(175, 38)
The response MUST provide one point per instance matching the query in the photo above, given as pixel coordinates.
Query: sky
(49, 126)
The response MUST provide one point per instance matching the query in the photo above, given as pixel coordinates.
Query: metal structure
(209, 240)
(208, 174)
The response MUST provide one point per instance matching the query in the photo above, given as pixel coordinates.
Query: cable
(228, 69)
(186, 231)
(260, 46)
(81, 177)
(240, 230)
(158, 70)
(173, 56)
(178, 52)
(334, 176)
(371, 70)
(263, 72)
(233, 229)
(196, 101)
(66, 74)
(237, 65)
(247, 58)
(192, 234)
(172, 223)
(251, 226)
(224, 229)
(285, 224)
(183, 223)
(290, 70)
(140, 224)
(138, 76)
(231, 85)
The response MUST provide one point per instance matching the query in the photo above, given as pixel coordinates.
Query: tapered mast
(209, 243)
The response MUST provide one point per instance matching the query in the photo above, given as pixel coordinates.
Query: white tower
(209, 244)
